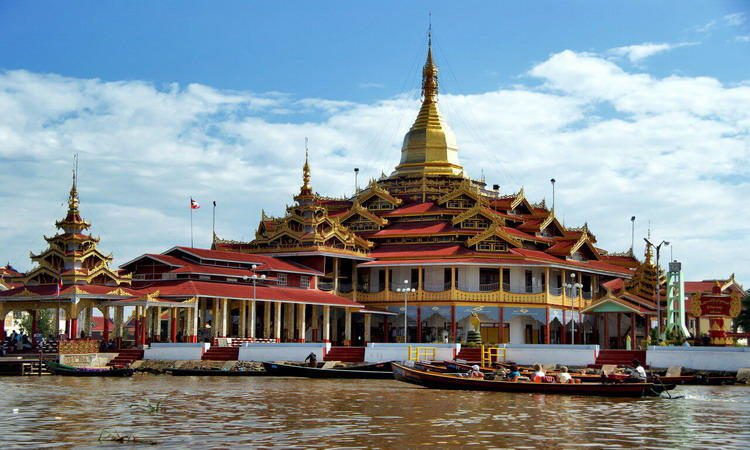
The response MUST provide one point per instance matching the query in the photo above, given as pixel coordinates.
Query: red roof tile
(416, 208)
(418, 228)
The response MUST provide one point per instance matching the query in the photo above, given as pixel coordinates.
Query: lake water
(50, 411)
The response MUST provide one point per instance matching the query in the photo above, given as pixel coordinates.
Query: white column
(226, 317)
(242, 332)
(326, 323)
(347, 326)
(194, 320)
(251, 323)
(277, 322)
(335, 275)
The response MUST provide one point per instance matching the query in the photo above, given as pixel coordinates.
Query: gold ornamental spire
(306, 187)
(429, 147)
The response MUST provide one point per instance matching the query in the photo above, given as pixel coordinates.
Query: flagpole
(191, 222)
(213, 226)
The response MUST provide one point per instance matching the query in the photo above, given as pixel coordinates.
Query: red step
(126, 357)
(345, 354)
(221, 354)
(619, 357)
(470, 354)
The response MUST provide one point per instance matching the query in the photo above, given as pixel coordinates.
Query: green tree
(45, 319)
(743, 319)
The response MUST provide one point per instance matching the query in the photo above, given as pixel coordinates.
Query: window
(304, 281)
(529, 281)
(281, 279)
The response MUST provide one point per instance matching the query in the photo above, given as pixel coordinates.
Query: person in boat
(514, 373)
(538, 373)
(476, 372)
(637, 372)
(312, 360)
(563, 376)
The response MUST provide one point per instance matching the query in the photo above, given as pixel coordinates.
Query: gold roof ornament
(429, 147)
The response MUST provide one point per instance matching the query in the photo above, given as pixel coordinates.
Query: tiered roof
(427, 210)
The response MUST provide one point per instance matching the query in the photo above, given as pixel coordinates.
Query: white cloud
(743, 38)
(674, 150)
(637, 53)
(735, 19)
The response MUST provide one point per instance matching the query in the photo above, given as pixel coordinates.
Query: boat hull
(58, 369)
(445, 381)
(288, 370)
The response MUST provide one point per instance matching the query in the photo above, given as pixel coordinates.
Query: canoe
(70, 371)
(288, 370)
(381, 366)
(216, 373)
(447, 381)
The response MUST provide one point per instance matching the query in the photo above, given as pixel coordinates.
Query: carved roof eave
(108, 272)
(491, 232)
(584, 240)
(373, 189)
(550, 220)
(357, 208)
(38, 271)
(72, 237)
(466, 188)
(83, 224)
(478, 209)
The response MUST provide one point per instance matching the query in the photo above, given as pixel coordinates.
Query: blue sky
(343, 50)
(636, 108)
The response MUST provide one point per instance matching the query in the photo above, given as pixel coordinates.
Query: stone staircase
(126, 357)
(221, 354)
(619, 358)
(345, 354)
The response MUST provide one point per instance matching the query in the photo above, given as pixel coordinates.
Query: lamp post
(658, 287)
(254, 277)
(573, 294)
(553, 181)
(406, 289)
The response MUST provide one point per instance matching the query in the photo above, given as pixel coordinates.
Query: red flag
(59, 287)
(194, 204)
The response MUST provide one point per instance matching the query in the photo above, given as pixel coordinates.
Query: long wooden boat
(216, 373)
(379, 366)
(289, 370)
(447, 381)
(70, 371)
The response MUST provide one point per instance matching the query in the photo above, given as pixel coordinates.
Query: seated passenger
(476, 372)
(564, 376)
(638, 372)
(514, 373)
(538, 373)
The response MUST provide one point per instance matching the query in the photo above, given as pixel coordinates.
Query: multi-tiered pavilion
(430, 242)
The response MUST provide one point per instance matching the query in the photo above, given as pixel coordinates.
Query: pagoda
(71, 274)
(432, 243)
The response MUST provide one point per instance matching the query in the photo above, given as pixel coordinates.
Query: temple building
(432, 243)
(71, 276)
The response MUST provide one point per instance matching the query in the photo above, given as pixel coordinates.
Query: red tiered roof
(417, 208)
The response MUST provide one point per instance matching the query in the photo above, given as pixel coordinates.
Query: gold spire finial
(306, 188)
(73, 197)
(429, 72)
(429, 147)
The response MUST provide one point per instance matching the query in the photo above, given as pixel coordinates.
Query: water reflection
(282, 413)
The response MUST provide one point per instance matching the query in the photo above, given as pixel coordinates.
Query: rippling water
(288, 412)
